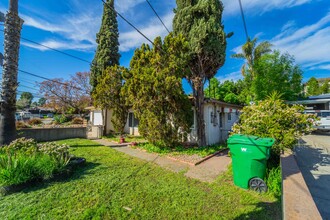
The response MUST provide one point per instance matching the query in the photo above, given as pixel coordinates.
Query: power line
(56, 50)
(41, 77)
(243, 18)
(157, 16)
(28, 87)
(122, 17)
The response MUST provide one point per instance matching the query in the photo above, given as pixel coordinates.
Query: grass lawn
(180, 150)
(116, 186)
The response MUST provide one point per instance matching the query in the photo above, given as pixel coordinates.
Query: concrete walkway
(313, 160)
(206, 171)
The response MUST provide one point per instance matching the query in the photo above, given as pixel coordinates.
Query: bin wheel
(258, 185)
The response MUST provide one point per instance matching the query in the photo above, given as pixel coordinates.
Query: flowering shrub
(24, 159)
(59, 152)
(274, 118)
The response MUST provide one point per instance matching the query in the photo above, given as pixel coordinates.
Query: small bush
(62, 118)
(21, 124)
(276, 119)
(24, 160)
(274, 181)
(35, 121)
(77, 121)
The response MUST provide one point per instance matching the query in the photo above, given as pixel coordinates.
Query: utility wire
(243, 18)
(56, 50)
(28, 87)
(122, 17)
(157, 16)
(41, 77)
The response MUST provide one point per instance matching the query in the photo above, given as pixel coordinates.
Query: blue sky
(299, 27)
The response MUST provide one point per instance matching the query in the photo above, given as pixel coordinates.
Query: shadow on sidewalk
(315, 161)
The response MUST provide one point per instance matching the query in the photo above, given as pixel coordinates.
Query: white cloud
(260, 6)
(321, 67)
(234, 76)
(75, 30)
(60, 45)
(123, 6)
(309, 44)
(42, 25)
(132, 39)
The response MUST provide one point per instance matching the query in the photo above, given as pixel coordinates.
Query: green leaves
(277, 72)
(109, 94)
(107, 53)
(154, 90)
(273, 118)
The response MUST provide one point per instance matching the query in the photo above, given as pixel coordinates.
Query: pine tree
(200, 23)
(107, 53)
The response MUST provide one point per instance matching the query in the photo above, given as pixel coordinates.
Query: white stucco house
(219, 118)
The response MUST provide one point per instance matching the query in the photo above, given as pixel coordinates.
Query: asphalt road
(313, 157)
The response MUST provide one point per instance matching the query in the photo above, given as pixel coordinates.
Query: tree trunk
(199, 106)
(13, 26)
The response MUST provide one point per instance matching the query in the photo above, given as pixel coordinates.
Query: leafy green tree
(276, 72)
(27, 96)
(274, 118)
(42, 101)
(325, 88)
(154, 89)
(313, 87)
(200, 22)
(251, 52)
(213, 90)
(228, 91)
(108, 94)
(107, 52)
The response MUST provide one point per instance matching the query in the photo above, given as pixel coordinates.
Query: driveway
(313, 157)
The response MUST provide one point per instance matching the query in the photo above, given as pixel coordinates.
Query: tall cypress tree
(200, 22)
(107, 53)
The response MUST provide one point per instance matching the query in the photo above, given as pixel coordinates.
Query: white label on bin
(243, 149)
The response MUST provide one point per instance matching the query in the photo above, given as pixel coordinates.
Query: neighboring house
(319, 102)
(319, 105)
(219, 118)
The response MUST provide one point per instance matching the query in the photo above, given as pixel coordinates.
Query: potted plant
(122, 139)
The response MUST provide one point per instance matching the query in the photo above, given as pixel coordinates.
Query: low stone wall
(53, 134)
(297, 201)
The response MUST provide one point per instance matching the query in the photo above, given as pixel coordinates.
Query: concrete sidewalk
(207, 171)
(313, 159)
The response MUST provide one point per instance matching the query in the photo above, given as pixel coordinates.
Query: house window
(220, 120)
(132, 121)
(229, 116)
(212, 118)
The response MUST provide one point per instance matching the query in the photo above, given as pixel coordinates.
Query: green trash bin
(249, 160)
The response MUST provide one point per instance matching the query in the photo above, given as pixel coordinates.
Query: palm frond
(238, 56)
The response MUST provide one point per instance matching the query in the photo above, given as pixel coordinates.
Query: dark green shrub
(62, 118)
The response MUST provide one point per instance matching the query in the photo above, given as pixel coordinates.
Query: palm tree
(12, 30)
(251, 53)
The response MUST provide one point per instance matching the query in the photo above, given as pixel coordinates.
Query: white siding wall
(213, 132)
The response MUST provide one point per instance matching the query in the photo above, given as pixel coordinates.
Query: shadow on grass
(85, 145)
(263, 210)
(78, 173)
